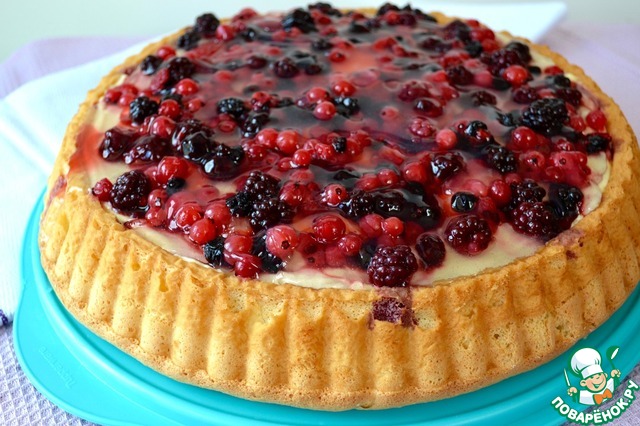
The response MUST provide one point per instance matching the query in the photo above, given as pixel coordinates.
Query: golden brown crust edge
(286, 344)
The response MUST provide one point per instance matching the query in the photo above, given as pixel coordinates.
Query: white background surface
(22, 21)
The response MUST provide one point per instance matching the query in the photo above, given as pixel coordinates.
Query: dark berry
(223, 162)
(115, 143)
(347, 106)
(392, 266)
(431, 250)
(573, 96)
(325, 8)
(300, 19)
(500, 158)
(261, 186)
(175, 184)
(269, 262)
(463, 202)
(509, 119)
(390, 309)
(359, 203)
(150, 64)
(459, 75)
(478, 133)
(339, 144)
(214, 252)
(535, 219)
(482, 97)
(565, 201)
(501, 59)
(233, 106)
(321, 44)
(130, 191)
(546, 116)
(253, 124)
(148, 149)
(141, 108)
(256, 62)
(188, 40)
(195, 146)
(446, 165)
(457, 29)
(206, 24)
(428, 107)
(179, 68)
(525, 95)
(386, 8)
(597, 142)
(239, 204)
(285, 68)
(468, 234)
(527, 191)
(521, 49)
(268, 213)
(395, 203)
(358, 28)
(249, 34)
(559, 81)
(474, 49)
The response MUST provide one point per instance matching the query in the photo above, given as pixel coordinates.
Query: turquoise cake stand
(92, 379)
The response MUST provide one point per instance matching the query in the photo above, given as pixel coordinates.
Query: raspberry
(268, 213)
(546, 116)
(431, 250)
(527, 191)
(535, 219)
(468, 234)
(500, 158)
(141, 108)
(392, 266)
(129, 192)
(261, 186)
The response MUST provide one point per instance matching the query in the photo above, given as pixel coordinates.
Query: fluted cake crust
(321, 348)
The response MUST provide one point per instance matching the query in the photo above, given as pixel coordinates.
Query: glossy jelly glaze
(333, 149)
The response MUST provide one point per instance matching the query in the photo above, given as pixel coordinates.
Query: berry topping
(299, 19)
(129, 192)
(150, 64)
(546, 116)
(463, 202)
(268, 213)
(468, 234)
(537, 219)
(141, 108)
(527, 191)
(214, 252)
(115, 143)
(232, 106)
(392, 266)
(431, 250)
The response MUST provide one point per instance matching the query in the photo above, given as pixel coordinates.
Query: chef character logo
(595, 386)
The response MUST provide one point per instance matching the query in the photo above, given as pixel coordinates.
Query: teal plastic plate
(92, 379)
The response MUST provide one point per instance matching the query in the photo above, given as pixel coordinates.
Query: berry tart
(336, 209)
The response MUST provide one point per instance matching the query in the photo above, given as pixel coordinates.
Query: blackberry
(239, 204)
(482, 97)
(501, 59)
(115, 143)
(253, 124)
(596, 142)
(179, 68)
(260, 186)
(500, 83)
(546, 116)
(325, 8)
(347, 106)
(521, 49)
(175, 184)
(459, 75)
(468, 234)
(301, 19)
(233, 106)
(525, 95)
(196, 146)
(188, 40)
(268, 213)
(150, 64)
(463, 202)
(474, 49)
(285, 68)
(535, 219)
(446, 165)
(565, 201)
(188, 128)
(214, 252)
(141, 108)
(431, 250)
(129, 192)
(527, 191)
(223, 162)
(148, 149)
(392, 266)
(457, 29)
(394, 204)
(500, 158)
(407, 19)
(358, 204)
(435, 43)
(206, 24)
(559, 81)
